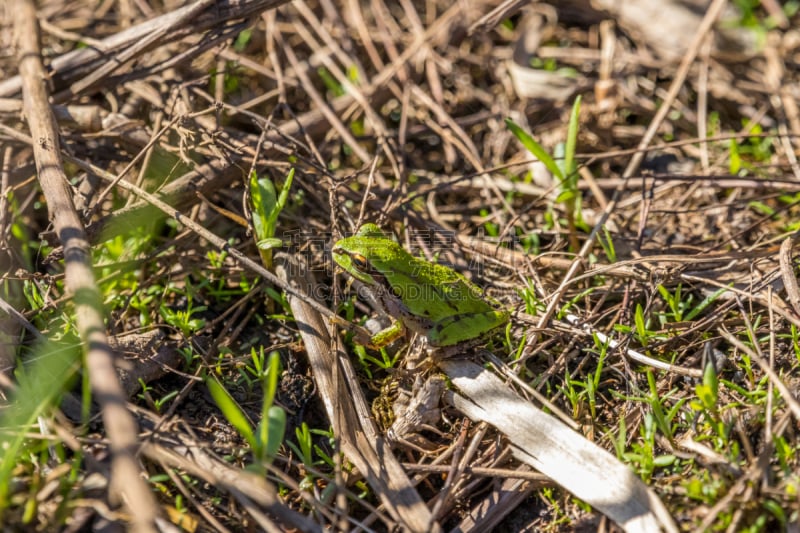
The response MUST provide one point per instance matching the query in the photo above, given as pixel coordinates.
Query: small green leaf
(607, 242)
(269, 244)
(534, 148)
(706, 397)
(762, 208)
(266, 205)
(708, 300)
(664, 460)
(735, 160)
(273, 418)
(282, 199)
(275, 425)
(263, 201)
(565, 196)
(777, 511)
(242, 40)
(711, 383)
(330, 82)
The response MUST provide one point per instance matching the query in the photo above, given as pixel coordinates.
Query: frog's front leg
(459, 328)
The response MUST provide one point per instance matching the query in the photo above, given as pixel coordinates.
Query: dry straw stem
(680, 77)
(787, 273)
(161, 30)
(254, 493)
(337, 385)
(79, 278)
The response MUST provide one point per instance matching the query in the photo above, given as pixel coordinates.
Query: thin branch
(79, 277)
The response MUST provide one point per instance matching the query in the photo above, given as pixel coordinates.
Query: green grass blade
(572, 138)
(40, 386)
(708, 300)
(534, 148)
(231, 410)
(276, 426)
(271, 381)
(282, 199)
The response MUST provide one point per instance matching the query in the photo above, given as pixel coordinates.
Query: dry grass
(675, 241)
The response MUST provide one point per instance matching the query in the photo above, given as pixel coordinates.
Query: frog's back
(456, 291)
(430, 290)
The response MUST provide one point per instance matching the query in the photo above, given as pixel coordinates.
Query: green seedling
(40, 386)
(563, 168)
(266, 437)
(265, 206)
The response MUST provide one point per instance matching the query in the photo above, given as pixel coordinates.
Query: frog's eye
(360, 262)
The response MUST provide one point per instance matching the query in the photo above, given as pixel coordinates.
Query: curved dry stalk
(787, 273)
(565, 456)
(79, 277)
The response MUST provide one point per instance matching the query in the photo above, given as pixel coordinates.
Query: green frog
(431, 300)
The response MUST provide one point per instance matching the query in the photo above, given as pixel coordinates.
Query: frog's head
(356, 254)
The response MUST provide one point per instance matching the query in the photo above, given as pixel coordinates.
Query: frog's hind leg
(460, 328)
(388, 335)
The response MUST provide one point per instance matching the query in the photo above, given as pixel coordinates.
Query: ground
(622, 180)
